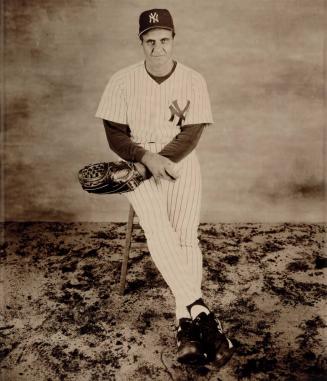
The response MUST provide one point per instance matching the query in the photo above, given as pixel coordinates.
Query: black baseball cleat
(215, 343)
(189, 347)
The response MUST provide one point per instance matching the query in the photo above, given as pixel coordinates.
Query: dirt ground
(63, 319)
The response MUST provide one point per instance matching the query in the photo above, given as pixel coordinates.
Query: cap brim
(155, 27)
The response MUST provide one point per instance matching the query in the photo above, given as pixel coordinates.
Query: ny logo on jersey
(175, 110)
(153, 17)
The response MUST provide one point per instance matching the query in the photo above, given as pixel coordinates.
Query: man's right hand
(160, 166)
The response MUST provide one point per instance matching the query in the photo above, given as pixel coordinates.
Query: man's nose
(157, 49)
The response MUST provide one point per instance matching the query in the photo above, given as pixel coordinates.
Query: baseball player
(154, 113)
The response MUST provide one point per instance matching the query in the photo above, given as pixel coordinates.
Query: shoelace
(187, 330)
(210, 326)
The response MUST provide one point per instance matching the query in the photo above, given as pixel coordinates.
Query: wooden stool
(128, 242)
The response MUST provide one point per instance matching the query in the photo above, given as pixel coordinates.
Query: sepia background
(263, 61)
(262, 233)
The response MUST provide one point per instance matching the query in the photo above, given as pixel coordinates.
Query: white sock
(182, 313)
(197, 309)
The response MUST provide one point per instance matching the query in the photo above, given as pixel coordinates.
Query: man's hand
(160, 166)
(142, 170)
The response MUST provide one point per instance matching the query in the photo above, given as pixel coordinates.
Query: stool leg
(124, 265)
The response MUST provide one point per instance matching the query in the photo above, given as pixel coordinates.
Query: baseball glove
(111, 177)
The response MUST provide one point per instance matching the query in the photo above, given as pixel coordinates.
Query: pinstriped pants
(169, 214)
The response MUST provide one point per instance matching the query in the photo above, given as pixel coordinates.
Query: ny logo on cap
(153, 17)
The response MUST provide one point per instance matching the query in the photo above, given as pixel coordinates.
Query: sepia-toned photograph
(163, 199)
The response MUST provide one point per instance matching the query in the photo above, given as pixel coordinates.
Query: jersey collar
(160, 80)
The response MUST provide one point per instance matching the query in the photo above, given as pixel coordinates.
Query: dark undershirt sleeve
(118, 136)
(183, 143)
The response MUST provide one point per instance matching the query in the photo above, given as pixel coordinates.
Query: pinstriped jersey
(155, 112)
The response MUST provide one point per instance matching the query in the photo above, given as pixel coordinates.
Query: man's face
(158, 46)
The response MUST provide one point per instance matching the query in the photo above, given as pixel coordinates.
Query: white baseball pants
(169, 214)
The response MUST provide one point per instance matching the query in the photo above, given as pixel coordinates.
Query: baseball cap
(155, 18)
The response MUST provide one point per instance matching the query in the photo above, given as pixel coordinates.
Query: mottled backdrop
(263, 60)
